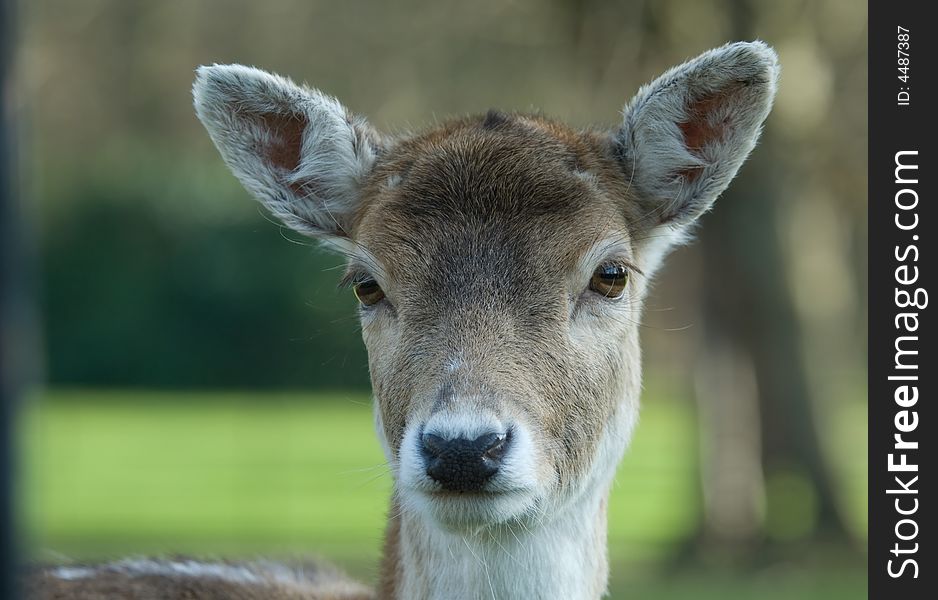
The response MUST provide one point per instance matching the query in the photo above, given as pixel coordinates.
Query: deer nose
(461, 464)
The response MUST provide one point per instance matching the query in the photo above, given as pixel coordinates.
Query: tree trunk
(764, 475)
(16, 314)
(750, 315)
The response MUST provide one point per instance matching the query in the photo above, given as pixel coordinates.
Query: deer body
(501, 263)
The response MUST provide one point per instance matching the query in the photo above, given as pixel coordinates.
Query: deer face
(500, 263)
(500, 299)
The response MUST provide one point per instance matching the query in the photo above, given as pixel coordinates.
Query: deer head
(501, 263)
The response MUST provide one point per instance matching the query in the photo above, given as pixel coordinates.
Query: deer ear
(300, 152)
(686, 134)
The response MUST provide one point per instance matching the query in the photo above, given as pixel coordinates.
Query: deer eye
(368, 292)
(609, 280)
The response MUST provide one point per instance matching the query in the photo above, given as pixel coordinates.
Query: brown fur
(311, 581)
(489, 211)
(391, 566)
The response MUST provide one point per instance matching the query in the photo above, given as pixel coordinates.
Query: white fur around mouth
(460, 510)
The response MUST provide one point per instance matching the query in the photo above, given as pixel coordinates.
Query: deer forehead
(510, 200)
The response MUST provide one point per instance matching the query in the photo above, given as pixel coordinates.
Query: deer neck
(562, 558)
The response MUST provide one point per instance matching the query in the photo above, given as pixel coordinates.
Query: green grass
(234, 474)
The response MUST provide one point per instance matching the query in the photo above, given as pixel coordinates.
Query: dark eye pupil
(609, 280)
(368, 292)
(611, 272)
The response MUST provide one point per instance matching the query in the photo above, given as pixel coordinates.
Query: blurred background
(198, 365)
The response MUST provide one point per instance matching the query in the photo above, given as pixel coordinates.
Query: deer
(500, 263)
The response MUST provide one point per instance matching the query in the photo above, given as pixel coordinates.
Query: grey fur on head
(685, 134)
(299, 151)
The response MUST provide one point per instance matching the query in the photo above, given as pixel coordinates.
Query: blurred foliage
(158, 300)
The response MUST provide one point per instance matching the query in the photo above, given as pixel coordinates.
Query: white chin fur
(462, 512)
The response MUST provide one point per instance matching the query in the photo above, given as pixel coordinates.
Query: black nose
(463, 465)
